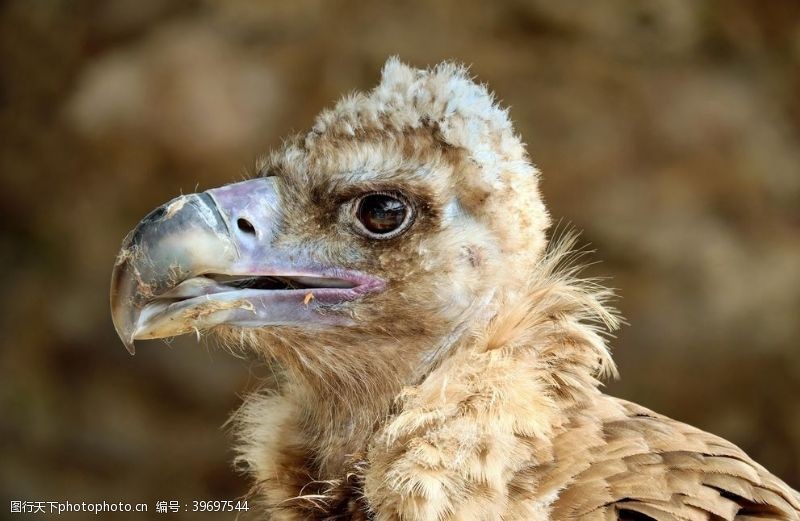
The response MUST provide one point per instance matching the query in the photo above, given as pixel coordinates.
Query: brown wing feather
(642, 465)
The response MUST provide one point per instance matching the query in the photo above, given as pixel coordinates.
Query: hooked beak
(207, 259)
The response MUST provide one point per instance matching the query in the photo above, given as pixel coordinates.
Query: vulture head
(437, 360)
(360, 252)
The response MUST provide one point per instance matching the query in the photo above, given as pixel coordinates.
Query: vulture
(437, 357)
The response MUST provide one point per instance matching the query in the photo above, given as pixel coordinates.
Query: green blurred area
(666, 130)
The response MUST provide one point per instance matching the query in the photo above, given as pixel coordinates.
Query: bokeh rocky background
(667, 130)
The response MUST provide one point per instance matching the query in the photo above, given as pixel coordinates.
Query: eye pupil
(381, 213)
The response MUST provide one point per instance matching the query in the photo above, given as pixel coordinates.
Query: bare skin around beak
(207, 259)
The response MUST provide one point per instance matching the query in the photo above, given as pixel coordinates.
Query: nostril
(245, 226)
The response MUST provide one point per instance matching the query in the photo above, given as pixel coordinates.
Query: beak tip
(124, 331)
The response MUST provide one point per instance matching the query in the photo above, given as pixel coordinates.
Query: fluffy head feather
(490, 177)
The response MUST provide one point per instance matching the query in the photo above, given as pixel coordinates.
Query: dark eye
(383, 215)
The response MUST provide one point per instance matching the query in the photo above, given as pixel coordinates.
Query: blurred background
(666, 130)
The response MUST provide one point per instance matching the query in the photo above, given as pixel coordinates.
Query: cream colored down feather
(492, 410)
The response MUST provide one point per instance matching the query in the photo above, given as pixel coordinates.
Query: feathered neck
(555, 314)
(542, 353)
